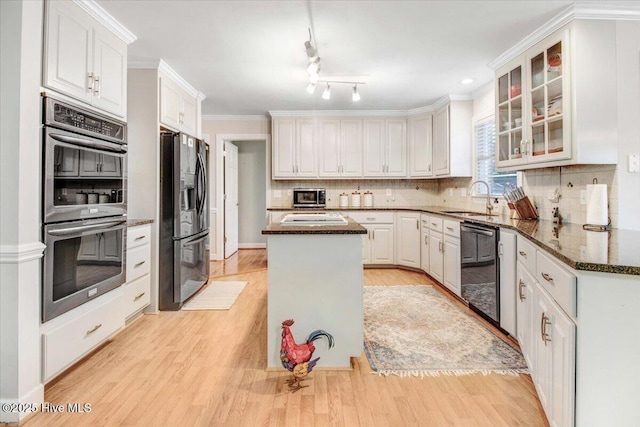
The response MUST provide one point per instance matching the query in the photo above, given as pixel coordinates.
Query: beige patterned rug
(417, 331)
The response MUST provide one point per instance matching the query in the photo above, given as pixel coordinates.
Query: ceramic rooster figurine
(297, 357)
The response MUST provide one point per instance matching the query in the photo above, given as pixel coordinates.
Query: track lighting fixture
(314, 78)
(311, 88)
(314, 66)
(312, 54)
(355, 96)
(327, 92)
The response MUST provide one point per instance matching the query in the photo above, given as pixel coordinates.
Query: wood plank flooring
(207, 368)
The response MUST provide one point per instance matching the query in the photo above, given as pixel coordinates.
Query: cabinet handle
(90, 81)
(429, 169)
(96, 86)
(544, 321)
(417, 224)
(139, 238)
(139, 264)
(137, 297)
(434, 224)
(521, 284)
(373, 234)
(450, 228)
(522, 253)
(426, 240)
(95, 328)
(371, 218)
(546, 277)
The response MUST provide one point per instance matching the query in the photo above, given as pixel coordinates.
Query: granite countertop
(351, 227)
(135, 222)
(583, 250)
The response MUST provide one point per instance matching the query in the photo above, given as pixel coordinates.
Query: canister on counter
(355, 199)
(92, 198)
(81, 198)
(368, 199)
(344, 200)
(104, 198)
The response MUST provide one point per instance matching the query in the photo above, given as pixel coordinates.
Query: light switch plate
(277, 194)
(388, 191)
(289, 192)
(634, 163)
(583, 197)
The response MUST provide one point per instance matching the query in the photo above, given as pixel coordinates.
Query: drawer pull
(425, 240)
(544, 321)
(95, 328)
(522, 253)
(137, 297)
(434, 224)
(450, 228)
(139, 238)
(546, 277)
(369, 218)
(139, 264)
(521, 284)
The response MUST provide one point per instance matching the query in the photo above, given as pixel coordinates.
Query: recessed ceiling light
(466, 81)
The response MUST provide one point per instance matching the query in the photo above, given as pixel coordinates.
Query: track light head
(311, 88)
(312, 54)
(355, 96)
(313, 78)
(314, 66)
(327, 92)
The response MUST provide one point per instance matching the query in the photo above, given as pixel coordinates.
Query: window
(484, 131)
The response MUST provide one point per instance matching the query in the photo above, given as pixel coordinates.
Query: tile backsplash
(452, 192)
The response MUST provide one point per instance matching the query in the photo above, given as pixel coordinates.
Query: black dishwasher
(480, 269)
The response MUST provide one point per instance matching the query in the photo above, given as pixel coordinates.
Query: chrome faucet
(488, 206)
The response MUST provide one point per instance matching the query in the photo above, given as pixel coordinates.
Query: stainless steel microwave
(309, 197)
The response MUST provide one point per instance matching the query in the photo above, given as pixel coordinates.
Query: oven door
(83, 259)
(83, 177)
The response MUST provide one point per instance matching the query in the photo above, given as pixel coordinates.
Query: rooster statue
(297, 357)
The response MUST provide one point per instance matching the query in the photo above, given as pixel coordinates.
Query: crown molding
(177, 78)
(483, 90)
(231, 118)
(96, 11)
(144, 64)
(576, 11)
(16, 254)
(339, 113)
(420, 110)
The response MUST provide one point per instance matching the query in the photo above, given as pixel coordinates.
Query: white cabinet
(294, 148)
(452, 143)
(83, 59)
(420, 146)
(436, 249)
(178, 109)
(340, 148)
(379, 242)
(408, 239)
(424, 243)
(137, 290)
(508, 281)
(451, 256)
(385, 147)
(525, 315)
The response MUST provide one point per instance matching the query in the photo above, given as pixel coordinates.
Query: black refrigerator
(184, 218)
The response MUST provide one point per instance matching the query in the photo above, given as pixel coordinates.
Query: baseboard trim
(35, 397)
(252, 245)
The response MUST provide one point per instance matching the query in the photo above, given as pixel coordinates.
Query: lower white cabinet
(451, 256)
(436, 255)
(138, 287)
(424, 243)
(379, 243)
(408, 234)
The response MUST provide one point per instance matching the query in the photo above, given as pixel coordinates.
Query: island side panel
(316, 280)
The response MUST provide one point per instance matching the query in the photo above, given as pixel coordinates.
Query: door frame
(218, 210)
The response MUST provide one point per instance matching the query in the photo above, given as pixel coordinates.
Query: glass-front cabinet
(532, 113)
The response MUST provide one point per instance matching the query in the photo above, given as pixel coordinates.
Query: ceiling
(248, 57)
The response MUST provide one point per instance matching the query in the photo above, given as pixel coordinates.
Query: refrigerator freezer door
(191, 266)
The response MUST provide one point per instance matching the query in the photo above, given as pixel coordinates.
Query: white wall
(251, 192)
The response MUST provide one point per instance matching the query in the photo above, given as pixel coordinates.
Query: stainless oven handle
(476, 230)
(80, 229)
(198, 240)
(100, 145)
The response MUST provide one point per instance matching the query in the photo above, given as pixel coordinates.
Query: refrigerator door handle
(197, 185)
(195, 241)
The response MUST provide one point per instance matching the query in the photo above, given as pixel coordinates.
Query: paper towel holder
(593, 227)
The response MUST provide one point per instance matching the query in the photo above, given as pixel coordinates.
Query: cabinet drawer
(435, 223)
(526, 254)
(137, 236)
(452, 228)
(136, 295)
(68, 343)
(138, 260)
(372, 217)
(558, 282)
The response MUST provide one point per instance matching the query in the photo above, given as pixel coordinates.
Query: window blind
(485, 159)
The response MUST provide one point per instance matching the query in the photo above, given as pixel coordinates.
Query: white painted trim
(483, 90)
(339, 113)
(615, 12)
(420, 110)
(252, 245)
(230, 118)
(102, 16)
(144, 64)
(179, 80)
(16, 254)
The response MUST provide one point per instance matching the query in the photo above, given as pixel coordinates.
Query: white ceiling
(248, 57)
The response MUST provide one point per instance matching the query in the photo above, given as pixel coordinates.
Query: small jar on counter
(355, 199)
(344, 200)
(368, 199)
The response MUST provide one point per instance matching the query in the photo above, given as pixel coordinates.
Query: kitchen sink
(464, 213)
(329, 218)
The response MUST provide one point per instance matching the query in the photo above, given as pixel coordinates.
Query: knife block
(525, 209)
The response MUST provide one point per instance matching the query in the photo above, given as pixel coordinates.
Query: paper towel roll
(597, 247)
(597, 209)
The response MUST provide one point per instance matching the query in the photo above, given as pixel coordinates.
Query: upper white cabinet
(83, 59)
(452, 143)
(420, 146)
(549, 109)
(340, 148)
(385, 147)
(294, 148)
(178, 108)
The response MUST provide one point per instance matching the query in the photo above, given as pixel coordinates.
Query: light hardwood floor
(200, 368)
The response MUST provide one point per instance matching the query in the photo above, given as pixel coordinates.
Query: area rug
(216, 296)
(417, 331)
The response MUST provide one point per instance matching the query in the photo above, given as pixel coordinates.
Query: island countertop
(352, 227)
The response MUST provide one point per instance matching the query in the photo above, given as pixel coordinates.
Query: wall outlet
(277, 194)
(583, 197)
(388, 192)
(289, 192)
(64, 191)
(634, 163)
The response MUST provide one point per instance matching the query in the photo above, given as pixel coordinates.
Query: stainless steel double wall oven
(84, 205)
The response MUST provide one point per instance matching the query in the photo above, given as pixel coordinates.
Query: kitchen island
(315, 278)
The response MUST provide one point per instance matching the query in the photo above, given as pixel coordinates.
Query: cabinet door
(508, 281)
(67, 161)
(110, 165)
(89, 162)
(189, 114)
(329, 148)
(436, 259)
(452, 264)
(69, 50)
(111, 244)
(420, 147)
(382, 244)
(284, 136)
(424, 244)
(408, 240)
(543, 320)
(441, 141)
(170, 96)
(511, 95)
(396, 147)
(366, 245)
(524, 315)
(373, 154)
(110, 70)
(351, 147)
(305, 149)
(563, 362)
